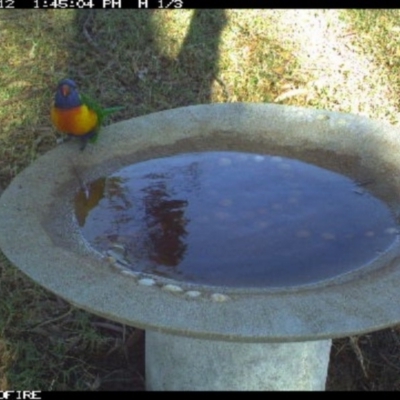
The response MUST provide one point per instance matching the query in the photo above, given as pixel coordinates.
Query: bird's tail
(101, 112)
(111, 110)
(105, 112)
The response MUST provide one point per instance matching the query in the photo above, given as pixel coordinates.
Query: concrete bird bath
(201, 335)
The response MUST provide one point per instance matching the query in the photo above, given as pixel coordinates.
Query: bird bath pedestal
(204, 336)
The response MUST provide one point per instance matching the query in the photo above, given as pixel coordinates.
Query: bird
(77, 114)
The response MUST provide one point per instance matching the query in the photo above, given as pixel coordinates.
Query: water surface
(235, 219)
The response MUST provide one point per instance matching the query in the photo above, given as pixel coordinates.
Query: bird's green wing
(102, 113)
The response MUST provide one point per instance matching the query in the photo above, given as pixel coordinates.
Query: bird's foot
(63, 139)
(83, 144)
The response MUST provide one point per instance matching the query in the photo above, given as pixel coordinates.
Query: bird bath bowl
(241, 237)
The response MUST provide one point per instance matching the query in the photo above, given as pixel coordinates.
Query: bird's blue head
(67, 95)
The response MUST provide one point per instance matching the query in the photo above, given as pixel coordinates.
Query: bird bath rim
(37, 216)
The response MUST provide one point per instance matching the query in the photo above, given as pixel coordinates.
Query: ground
(151, 60)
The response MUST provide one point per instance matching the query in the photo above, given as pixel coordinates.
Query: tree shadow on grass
(123, 58)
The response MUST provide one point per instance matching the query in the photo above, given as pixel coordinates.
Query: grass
(150, 60)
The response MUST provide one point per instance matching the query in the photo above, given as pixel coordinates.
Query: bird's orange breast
(77, 121)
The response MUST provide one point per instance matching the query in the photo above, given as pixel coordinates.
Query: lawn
(151, 60)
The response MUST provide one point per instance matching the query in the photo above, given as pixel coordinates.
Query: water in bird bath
(234, 219)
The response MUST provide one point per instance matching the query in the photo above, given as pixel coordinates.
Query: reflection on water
(165, 223)
(237, 219)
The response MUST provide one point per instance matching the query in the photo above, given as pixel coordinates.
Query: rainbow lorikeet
(78, 115)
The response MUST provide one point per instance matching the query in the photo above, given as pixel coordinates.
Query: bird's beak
(65, 90)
